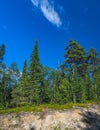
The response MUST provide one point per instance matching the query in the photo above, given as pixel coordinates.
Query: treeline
(75, 80)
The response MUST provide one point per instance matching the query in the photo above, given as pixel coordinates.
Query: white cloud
(48, 11)
(35, 2)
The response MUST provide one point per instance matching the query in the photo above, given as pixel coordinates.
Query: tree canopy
(76, 80)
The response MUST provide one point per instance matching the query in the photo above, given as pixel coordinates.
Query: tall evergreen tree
(20, 92)
(77, 80)
(93, 61)
(35, 75)
(44, 90)
(75, 60)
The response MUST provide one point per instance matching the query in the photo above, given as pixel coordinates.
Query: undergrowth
(39, 108)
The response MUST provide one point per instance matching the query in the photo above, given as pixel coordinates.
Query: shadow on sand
(92, 121)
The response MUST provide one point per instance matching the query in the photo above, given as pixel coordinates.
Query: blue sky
(52, 22)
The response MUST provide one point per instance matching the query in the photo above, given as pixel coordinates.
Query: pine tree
(75, 64)
(93, 61)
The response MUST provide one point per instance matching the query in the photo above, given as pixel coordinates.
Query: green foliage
(77, 80)
(76, 60)
(40, 108)
(34, 75)
(82, 68)
(97, 86)
(20, 92)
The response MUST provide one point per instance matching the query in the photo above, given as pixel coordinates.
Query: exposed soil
(74, 119)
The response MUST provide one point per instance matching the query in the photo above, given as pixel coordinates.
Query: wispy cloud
(48, 11)
(35, 2)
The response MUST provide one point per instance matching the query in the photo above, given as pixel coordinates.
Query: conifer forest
(76, 80)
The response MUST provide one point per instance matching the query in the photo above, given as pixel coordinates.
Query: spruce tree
(34, 75)
(20, 92)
